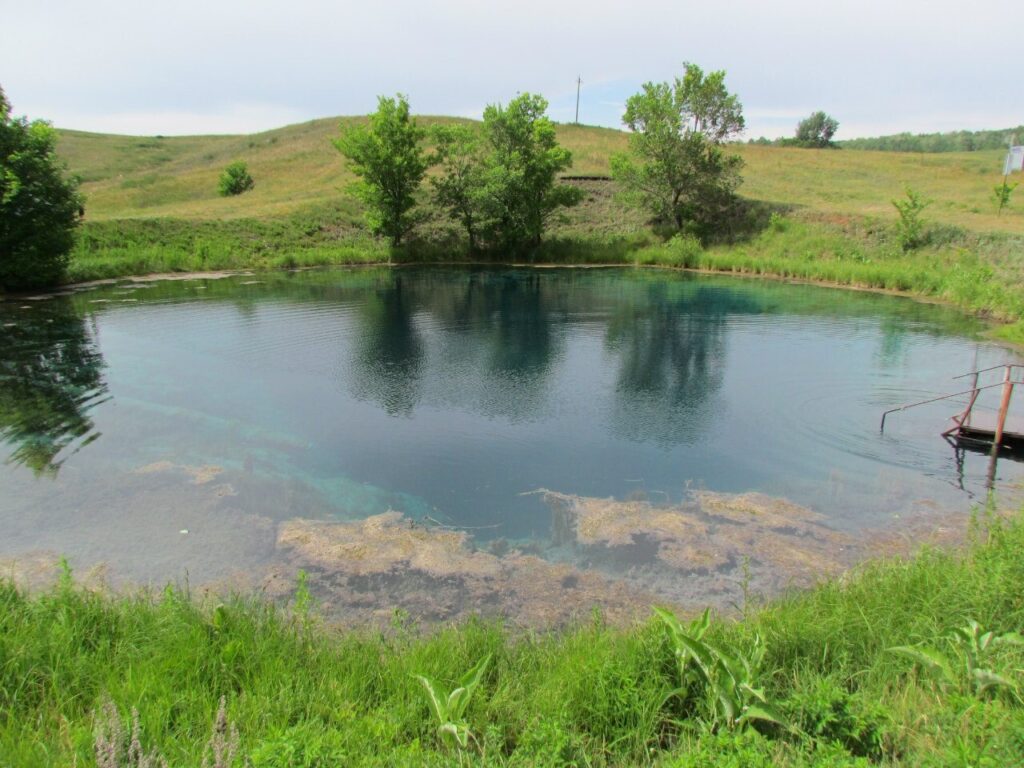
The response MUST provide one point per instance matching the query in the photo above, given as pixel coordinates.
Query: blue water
(450, 393)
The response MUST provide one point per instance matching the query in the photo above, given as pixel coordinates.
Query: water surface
(171, 428)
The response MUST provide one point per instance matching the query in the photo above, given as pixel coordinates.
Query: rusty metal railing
(963, 419)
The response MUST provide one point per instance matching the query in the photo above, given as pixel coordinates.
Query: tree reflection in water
(51, 375)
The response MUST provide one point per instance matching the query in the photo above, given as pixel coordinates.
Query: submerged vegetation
(910, 662)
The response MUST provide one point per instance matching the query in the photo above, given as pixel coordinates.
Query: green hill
(152, 206)
(297, 167)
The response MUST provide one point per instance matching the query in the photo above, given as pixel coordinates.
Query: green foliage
(585, 695)
(1001, 195)
(966, 663)
(449, 710)
(816, 130)
(777, 222)
(501, 184)
(910, 225)
(39, 206)
(459, 187)
(677, 169)
(388, 158)
(520, 194)
(953, 141)
(235, 179)
(728, 675)
(826, 712)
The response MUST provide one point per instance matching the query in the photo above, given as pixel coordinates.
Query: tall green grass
(302, 694)
(950, 268)
(981, 274)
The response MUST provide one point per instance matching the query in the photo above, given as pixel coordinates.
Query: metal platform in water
(983, 426)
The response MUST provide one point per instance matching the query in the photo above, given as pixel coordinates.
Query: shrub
(910, 225)
(235, 179)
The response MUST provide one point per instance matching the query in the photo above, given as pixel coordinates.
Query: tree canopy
(388, 157)
(40, 206)
(816, 130)
(522, 170)
(501, 183)
(676, 167)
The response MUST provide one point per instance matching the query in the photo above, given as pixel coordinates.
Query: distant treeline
(954, 141)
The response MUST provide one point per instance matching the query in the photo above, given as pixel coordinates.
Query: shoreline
(991, 333)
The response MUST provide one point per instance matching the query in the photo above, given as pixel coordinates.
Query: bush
(910, 225)
(235, 179)
(39, 207)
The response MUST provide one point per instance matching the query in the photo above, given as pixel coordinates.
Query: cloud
(124, 64)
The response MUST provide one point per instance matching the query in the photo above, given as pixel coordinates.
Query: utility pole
(579, 82)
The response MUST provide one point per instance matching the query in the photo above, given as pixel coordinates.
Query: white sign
(1014, 161)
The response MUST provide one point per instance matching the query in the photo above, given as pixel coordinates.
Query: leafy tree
(389, 159)
(677, 168)
(816, 130)
(520, 194)
(235, 179)
(39, 206)
(501, 183)
(459, 187)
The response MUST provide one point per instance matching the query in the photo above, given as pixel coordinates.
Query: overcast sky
(221, 66)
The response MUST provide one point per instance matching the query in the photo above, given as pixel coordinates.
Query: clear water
(448, 394)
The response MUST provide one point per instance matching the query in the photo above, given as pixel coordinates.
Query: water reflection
(671, 349)
(389, 354)
(51, 374)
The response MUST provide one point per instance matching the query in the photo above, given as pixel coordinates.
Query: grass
(303, 695)
(153, 207)
(296, 167)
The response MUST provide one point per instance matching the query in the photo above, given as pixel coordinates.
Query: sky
(222, 66)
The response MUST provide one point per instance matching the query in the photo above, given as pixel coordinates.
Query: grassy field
(296, 167)
(152, 206)
(301, 695)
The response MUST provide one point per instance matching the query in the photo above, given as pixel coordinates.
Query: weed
(449, 710)
(728, 675)
(966, 665)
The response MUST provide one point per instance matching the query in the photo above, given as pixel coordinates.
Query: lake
(445, 441)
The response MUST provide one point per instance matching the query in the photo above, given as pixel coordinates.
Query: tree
(459, 187)
(235, 179)
(816, 130)
(389, 159)
(501, 183)
(677, 168)
(40, 207)
(520, 193)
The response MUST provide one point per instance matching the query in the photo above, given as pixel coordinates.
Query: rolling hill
(296, 167)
